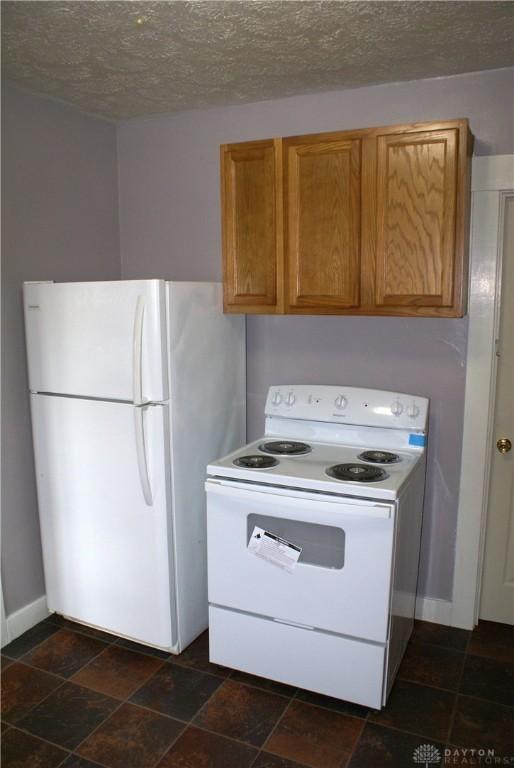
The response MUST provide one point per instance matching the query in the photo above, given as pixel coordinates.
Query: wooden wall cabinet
(372, 222)
(251, 190)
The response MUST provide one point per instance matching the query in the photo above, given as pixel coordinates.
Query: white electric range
(313, 541)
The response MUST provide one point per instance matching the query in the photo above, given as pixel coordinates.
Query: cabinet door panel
(251, 242)
(416, 208)
(323, 223)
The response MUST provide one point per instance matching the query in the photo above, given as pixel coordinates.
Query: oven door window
(322, 545)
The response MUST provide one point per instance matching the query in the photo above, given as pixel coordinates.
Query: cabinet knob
(504, 445)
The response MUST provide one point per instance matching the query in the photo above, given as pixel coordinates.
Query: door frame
(492, 181)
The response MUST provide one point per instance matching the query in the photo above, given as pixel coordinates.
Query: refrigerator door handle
(142, 463)
(137, 351)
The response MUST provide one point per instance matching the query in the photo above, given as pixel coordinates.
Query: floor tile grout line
(426, 685)
(63, 760)
(232, 738)
(24, 661)
(168, 748)
(354, 748)
(456, 702)
(485, 657)
(270, 734)
(486, 701)
(83, 685)
(41, 738)
(256, 757)
(224, 736)
(34, 706)
(190, 722)
(121, 640)
(416, 641)
(331, 709)
(76, 671)
(18, 658)
(196, 669)
(261, 688)
(149, 709)
(64, 681)
(38, 669)
(94, 762)
(78, 629)
(129, 700)
(204, 705)
(402, 730)
(264, 751)
(77, 746)
(469, 640)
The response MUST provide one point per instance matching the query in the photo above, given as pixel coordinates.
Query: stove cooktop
(328, 467)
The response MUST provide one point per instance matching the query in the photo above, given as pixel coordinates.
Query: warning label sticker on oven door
(274, 549)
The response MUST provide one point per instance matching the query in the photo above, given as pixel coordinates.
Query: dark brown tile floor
(79, 698)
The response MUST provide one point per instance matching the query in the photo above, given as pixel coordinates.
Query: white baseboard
(433, 609)
(25, 618)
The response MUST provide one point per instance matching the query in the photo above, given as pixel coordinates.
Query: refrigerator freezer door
(106, 551)
(104, 339)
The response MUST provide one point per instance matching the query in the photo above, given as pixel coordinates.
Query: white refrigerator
(135, 386)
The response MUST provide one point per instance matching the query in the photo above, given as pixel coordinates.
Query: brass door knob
(504, 445)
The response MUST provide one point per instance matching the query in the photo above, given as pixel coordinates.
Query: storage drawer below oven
(335, 666)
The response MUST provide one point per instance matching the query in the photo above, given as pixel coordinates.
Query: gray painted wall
(169, 227)
(60, 221)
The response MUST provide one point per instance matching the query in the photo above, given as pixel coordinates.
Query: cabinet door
(416, 219)
(322, 193)
(251, 221)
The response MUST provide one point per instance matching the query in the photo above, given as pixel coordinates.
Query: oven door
(342, 580)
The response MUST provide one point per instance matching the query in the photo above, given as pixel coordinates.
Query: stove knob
(341, 402)
(396, 408)
(276, 399)
(413, 410)
(290, 399)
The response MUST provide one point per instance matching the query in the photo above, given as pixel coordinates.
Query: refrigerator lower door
(102, 339)
(105, 520)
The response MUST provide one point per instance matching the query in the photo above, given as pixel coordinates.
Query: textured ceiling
(122, 59)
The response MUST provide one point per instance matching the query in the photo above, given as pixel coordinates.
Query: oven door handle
(338, 505)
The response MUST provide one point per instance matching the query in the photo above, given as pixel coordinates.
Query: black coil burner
(256, 462)
(379, 457)
(285, 448)
(360, 473)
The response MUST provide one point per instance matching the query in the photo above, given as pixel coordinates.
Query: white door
(104, 514)
(342, 580)
(104, 339)
(497, 596)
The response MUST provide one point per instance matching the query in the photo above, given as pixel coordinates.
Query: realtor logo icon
(426, 755)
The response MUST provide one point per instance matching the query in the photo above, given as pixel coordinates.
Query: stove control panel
(349, 405)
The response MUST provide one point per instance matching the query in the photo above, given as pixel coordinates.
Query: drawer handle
(293, 624)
